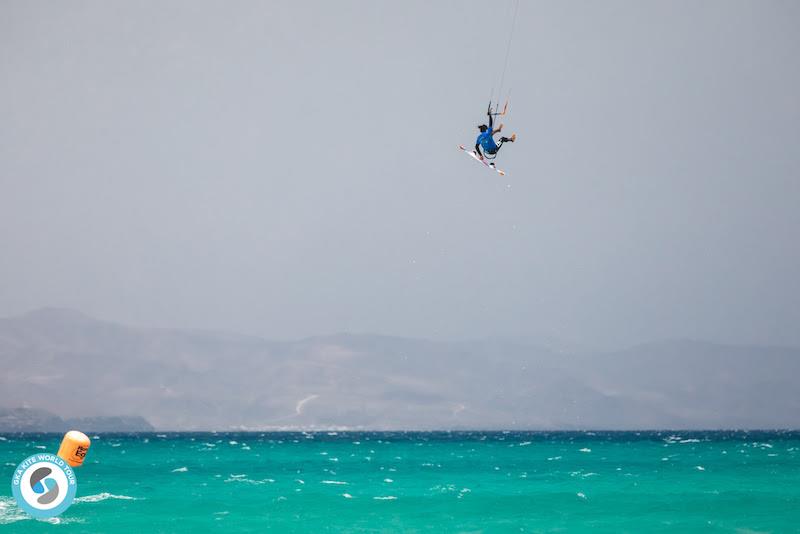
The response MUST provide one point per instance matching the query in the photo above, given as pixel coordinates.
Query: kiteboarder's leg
(506, 140)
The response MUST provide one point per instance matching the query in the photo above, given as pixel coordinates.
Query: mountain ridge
(182, 379)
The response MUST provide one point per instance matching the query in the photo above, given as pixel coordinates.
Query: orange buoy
(74, 447)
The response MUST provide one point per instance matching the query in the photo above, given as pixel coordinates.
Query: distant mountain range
(34, 420)
(74, 366)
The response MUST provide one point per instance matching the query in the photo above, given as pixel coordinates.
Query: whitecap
(104, 496)
(386, 498)
(585, 449)
(9, 512)
(700, 468)
(180, 470)
(62, 520)
(581, 495)
(347, 496)
(339, 482)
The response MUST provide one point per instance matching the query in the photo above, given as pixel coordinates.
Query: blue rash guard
(486, 141)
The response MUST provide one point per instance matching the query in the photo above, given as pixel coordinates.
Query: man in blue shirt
(486, 139)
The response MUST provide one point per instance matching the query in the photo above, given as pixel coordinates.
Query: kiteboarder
(486, 139)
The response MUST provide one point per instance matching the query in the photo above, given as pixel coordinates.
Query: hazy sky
(290, 169)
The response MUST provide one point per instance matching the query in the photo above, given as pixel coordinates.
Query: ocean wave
(63, 520)
(334, 482)
(254, 482)
(104, 496)
(385, 498)
(10, 512)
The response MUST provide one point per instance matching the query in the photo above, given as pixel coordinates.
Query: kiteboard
(490, 165)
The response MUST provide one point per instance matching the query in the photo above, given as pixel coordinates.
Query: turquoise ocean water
(425, 482)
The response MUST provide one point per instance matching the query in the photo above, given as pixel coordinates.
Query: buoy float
(74, 447)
